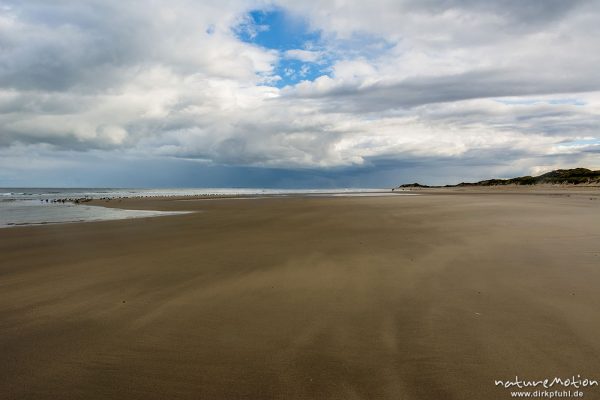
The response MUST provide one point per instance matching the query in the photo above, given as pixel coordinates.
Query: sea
(40, 206)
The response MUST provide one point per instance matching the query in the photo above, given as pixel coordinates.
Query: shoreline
(86, 209)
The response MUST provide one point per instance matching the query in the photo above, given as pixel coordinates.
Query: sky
(288, 94)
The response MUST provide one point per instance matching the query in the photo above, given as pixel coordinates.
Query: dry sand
(405, 297)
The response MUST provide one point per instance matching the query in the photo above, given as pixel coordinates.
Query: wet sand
(399, 297)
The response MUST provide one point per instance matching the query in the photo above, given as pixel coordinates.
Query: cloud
(303, 55)
(401, 83)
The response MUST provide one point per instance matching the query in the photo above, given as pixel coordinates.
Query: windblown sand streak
(408, 297)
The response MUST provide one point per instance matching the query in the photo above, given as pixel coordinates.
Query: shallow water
(35, 212)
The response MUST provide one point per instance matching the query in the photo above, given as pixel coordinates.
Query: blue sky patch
(581, 142)
(559, 101)
(278, 30)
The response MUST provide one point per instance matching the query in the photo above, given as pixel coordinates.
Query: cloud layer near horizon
(510, 86)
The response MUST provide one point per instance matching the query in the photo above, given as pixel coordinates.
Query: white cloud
(410, 80)
(303, 55)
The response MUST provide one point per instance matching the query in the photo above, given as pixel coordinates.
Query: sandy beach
(398, 297)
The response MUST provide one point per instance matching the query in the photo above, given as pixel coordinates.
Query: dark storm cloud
(522, 12)
(428, 90)
(57, 46)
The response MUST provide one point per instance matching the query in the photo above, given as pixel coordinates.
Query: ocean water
(34, 206)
